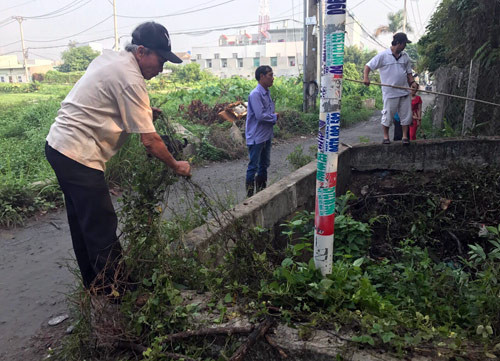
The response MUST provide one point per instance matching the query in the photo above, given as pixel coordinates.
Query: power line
(175, 14)
(355, 6)
(414, 18)
(386, 5)
(12, 52)
(227, 27)
(64, 13)
(14, 42)
(42, 56)
(364, 28)
(7, 23)
(15, 6)
(64, 45)
(70, 36)
(419, 19)
(61, 11)
(432, 11)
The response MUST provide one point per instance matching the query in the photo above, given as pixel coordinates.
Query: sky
(49, 25)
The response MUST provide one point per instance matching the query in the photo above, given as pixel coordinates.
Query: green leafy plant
(297, 158)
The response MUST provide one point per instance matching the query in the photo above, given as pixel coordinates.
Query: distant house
(12, 71)
(282, 49)
(184, 56)
(240, 54)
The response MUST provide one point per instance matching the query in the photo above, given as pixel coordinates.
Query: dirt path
(33, 258)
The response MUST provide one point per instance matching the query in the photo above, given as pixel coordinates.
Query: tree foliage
(395, 24)
(358, 57)
(77, 58)
(458, 32)
(188, 73)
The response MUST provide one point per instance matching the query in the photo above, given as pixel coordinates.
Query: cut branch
(259, 332)
(210, 332)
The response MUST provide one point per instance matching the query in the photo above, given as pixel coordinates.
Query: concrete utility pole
(332, 70)
(311, 68)
(471, 93)
(116, 26)
(25, 64)
(404, 18)
(321, 11)
(304, 61)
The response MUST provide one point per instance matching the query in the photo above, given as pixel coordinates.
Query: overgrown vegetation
(452, 39)
(399, 281)
(188, 96)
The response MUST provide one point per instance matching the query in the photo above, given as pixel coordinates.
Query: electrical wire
(175, 14)
(15, 6)
(59, 12)
(67, 12)
(64, 45)
(414, 18)
(421, 27)
(42, 56)
(355, 6)
(203, 31)
(7, 23)
(387, 6)
(14, 42)
(366, 30)
(12, 52)
(432, 11)
(70, 36)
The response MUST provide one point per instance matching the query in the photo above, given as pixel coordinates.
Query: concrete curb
(271, 206)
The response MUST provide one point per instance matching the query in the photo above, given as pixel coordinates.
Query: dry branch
(275, 345)
(210, 332)
(259, 332)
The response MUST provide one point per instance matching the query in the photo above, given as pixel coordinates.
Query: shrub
(297, 158)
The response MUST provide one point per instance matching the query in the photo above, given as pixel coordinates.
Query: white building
(282, 49)
(12, 71)
(241, 54)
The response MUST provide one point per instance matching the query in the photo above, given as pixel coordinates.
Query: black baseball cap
(155, 36)
(401, 38)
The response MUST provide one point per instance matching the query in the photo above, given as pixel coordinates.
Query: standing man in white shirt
(107, 104)
(395, 69)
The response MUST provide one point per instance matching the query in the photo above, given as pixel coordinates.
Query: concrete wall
(277, 202)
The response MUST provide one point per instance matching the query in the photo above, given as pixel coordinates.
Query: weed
(297, 158)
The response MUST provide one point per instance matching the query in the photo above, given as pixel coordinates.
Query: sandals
(405, 141)
(386, 141)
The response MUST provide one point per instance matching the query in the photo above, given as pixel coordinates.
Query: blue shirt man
(259, 130)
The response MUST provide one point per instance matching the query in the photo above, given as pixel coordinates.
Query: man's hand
(156, 113)
(366, 81)
(183, 168)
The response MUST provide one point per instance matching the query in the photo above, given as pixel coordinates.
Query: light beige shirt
(108, 103)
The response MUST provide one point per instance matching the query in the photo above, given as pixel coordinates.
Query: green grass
(8, 100)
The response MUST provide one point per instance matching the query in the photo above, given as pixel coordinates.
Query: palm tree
(395, 24)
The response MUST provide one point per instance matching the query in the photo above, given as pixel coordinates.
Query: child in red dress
(416, 109)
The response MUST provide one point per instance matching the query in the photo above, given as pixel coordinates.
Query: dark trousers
(260, 159)
(91, 216)
(398, 130)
